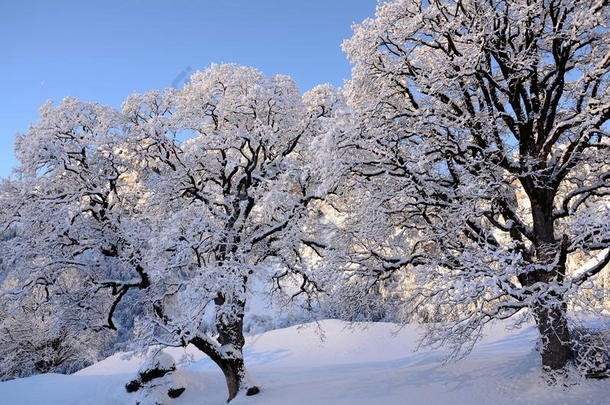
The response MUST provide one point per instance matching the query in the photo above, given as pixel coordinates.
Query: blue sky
(105, 50)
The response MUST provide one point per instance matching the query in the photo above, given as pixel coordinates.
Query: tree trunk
(232, 365)
(551, 311)
(229, 357)
(552, 324)
(234, 372)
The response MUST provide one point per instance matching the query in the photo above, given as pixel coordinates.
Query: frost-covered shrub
(592, 352)
(32, 344)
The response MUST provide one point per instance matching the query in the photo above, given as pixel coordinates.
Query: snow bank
(332, 363)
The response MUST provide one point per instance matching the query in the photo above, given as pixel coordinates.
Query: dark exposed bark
(231, 362)
(234, 372)
(552, 324)
(232, 366)
(550, 313)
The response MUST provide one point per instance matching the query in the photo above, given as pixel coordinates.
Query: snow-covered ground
(371, 365)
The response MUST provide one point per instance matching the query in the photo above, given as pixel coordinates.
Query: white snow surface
(156, 360)
(365, 363)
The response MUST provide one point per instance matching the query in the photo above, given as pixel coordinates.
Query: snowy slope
(374, 365)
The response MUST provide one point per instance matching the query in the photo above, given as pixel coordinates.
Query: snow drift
(332, 362)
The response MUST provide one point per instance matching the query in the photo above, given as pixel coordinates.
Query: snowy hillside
(375, 365)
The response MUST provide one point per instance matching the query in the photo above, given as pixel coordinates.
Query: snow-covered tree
(117, 218)
(36, 332)
(234, 203)
(484, 153)
(72, 212)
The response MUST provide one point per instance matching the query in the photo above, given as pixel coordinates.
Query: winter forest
(457, 184)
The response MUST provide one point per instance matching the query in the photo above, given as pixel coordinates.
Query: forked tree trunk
(231, 339)
(232, 366)
(230, 326)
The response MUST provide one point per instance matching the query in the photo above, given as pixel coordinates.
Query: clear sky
(105, 50)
